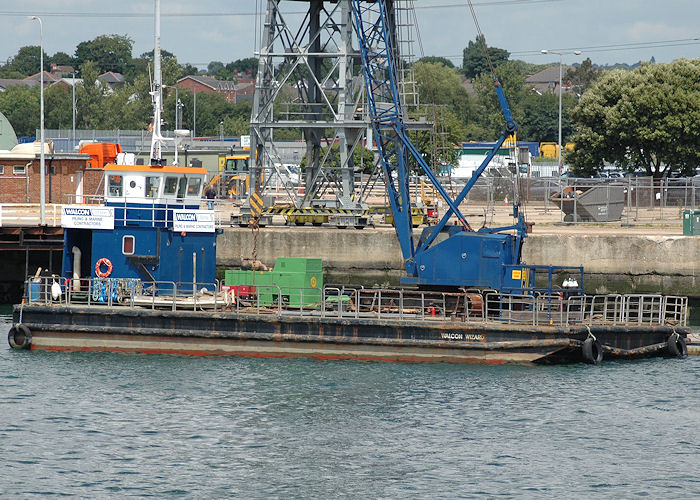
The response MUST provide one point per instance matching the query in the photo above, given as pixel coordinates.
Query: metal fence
(357, 302)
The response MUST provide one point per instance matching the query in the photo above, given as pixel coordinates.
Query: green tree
(108, 52)
(583, 77)
(435, 59)
(246, 65)
(474, 62)
(61, 59)
(27, 61)
(58, 106)
(540, 118)
(21, 107)
(490, 115)
(647, 118)
(89, 98)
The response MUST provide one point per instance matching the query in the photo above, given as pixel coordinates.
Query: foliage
(648, 118)
(21, 107)
(491, 116)
(435, 59)
(541, 117)
(108, 52)
(26, 62)
(582, 77)
(474, 62)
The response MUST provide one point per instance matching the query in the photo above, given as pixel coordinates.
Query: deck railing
(469, 306)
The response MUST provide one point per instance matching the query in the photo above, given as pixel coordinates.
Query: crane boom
(465, 258)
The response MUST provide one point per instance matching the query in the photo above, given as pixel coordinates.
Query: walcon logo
(77, 211)
(186, 217)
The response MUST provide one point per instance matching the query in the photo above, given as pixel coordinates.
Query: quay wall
(613, 262)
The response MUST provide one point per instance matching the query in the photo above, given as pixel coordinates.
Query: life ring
(676, 346)
(98, 267)
(19, 337)
(591, 351)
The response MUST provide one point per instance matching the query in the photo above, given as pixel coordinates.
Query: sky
(607, 31)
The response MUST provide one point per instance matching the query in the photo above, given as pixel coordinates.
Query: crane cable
(482, 39)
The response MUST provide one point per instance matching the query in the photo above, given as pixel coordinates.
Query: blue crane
(445, 255)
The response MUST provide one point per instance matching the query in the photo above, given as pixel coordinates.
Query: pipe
(194, 271)
(76, 268)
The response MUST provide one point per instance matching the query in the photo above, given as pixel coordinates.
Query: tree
(27, 61)
(474, 62)
(441, 84)
(583, 77)
(89, 98)
(435, 59)
(647, 118)
(61, 59)
(490, 115)
(540, 118)
(21, 107)
(58, 102)
(108, 52)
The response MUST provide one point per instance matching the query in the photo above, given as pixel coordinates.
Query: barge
(350, 323)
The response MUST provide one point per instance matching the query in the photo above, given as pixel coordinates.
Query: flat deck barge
(354, 323)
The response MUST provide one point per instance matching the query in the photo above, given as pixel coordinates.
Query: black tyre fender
(591, 351)
(19, 337)
(676, 346)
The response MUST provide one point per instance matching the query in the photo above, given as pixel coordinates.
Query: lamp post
(560, 54)
(42, 165)
(73, 141)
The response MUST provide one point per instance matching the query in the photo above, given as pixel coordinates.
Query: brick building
(68, 180)
(234, 91)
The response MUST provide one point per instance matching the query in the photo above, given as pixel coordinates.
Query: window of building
(19, 170)
(2, 169)
(193, 186)
(128, 242)
(115, 185)
(152, 186)
(170, 186)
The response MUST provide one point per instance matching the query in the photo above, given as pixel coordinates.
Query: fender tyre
(676, 346)
(591, 351)
(19, 337)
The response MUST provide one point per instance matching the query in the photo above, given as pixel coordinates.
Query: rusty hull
(100, 328)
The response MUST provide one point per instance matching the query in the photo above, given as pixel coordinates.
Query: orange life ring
(98, 267)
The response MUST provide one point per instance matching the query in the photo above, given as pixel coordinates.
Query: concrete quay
(616, 259)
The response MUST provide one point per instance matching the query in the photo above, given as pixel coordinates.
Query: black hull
(99, 328)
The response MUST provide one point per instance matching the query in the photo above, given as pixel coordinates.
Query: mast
(157, 94)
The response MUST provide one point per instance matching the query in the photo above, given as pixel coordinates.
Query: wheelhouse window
(152, 187)
(194, 186)
(128, 245)
(115, 185)
(181, 187)
(170, 186)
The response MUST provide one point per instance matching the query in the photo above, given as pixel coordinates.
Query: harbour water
(113, 425)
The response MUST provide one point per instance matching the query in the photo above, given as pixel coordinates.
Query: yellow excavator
(233, 178)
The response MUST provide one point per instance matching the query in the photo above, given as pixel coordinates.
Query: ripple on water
(101, 424)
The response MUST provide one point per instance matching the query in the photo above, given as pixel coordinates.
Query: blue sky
(607, 31)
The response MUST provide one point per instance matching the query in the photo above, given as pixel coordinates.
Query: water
(113, 425)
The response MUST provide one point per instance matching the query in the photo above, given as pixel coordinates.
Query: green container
(300, 282)
(691, 222)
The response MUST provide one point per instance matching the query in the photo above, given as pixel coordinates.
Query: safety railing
(363, 303)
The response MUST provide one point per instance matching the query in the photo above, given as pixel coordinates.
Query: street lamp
(560, 54)
(42, 165)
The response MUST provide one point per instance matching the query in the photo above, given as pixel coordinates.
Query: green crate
(291, 275)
